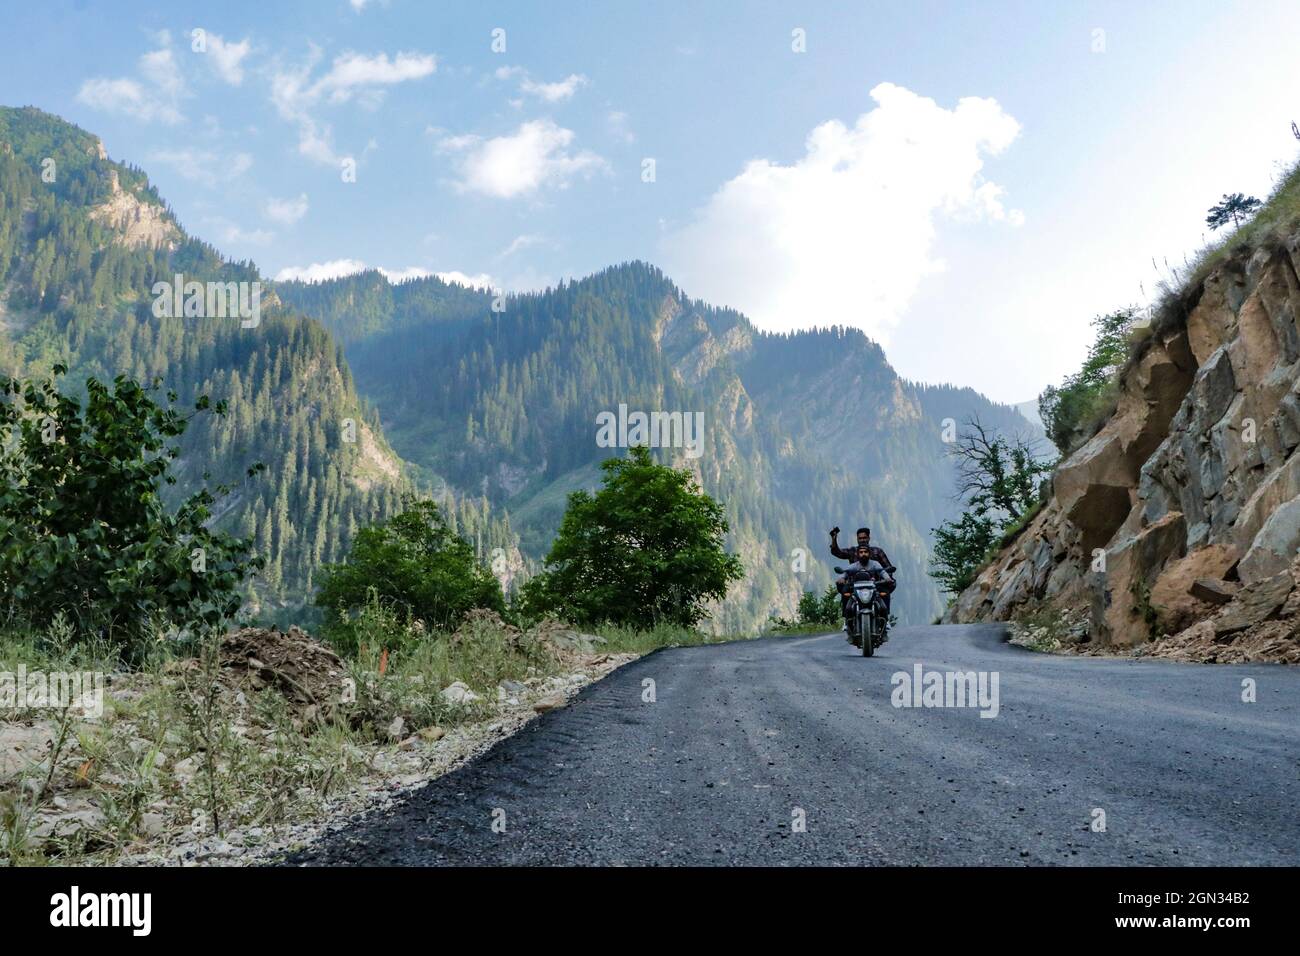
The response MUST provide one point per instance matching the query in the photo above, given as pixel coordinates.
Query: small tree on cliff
(998, 481)
(1235, 208)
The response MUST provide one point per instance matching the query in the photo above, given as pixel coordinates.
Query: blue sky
(968, 183)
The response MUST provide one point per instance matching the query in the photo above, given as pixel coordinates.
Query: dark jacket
(851, 554)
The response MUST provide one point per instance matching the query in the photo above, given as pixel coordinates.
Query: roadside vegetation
(1000, 479)
(816, 614)
(214, 736)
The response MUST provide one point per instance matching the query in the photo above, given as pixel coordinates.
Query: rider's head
(864, 536)
(864, 553)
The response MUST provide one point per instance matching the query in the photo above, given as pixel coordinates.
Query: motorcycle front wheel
(866, 628)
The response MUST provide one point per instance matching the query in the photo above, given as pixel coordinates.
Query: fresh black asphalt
(789, 751)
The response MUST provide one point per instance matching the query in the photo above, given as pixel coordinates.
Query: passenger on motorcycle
(878, 572)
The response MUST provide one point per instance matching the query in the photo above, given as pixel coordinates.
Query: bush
(414, 567)
(818, 610)
(645, 549)
(86, 537)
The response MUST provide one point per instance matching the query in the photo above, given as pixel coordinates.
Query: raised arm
(836, 550)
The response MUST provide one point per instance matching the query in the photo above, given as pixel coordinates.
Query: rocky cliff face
(1179, 521)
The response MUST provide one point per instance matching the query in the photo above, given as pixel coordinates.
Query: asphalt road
(790, 751)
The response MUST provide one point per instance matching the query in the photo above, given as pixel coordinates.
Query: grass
(176, 748)
(1269, 228)
(1043, 628)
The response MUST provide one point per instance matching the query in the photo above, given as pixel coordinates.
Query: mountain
(356, 392)
(1179, 519)
(83, 240)
(1029, 410)
(800, 432)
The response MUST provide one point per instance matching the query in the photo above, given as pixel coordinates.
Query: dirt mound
(305, 671)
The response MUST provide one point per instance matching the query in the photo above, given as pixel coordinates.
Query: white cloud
(296, 95)
(480, 281)
(156, 98)
(287, 211)
(338, 268)
(535, 155)
(321, 271)
(554, 92)
(227, 58)
(519, 242)
(398, 276)
(844, 234)
(353, 71)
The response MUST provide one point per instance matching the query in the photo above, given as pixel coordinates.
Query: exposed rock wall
(1183, 511)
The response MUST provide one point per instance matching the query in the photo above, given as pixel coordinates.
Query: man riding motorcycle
(864, 539)
(863, 562)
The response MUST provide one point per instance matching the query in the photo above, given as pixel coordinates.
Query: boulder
(1174, 594)
(1276, 544)
(1136, 562)
(1213, 592)
(1254, 603)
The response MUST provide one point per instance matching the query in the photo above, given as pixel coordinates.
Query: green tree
(86, 532)
(998, 479)
(1067, 409)
(413, 564)
(1234, 208)
(959, 550)
(647, 548)
(820, 609)
(997, 474)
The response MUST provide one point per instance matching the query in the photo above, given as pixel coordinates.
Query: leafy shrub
(85, 535)
(820, 609)
(415, 566)
(647, 548)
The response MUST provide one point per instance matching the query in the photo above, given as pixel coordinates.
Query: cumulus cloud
(321, 271)
(286, 211)
(845, 234)
(156, 95)
(537, 154)
(338, 268)
(480, 281)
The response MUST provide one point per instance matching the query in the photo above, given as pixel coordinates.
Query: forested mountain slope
(82, 241)
(493, 410)
(800, 431)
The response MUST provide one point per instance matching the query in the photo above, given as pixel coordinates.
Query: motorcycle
(866, 626)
